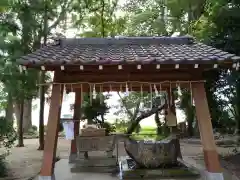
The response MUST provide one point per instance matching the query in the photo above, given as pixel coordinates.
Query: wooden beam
(106, 67)
(206, 131)
(130, 68)
(123, 77)
(49, 154)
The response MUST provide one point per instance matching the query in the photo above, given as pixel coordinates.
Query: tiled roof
(133, 50)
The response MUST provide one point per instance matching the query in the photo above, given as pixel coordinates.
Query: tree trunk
(27, 115)
(41, 112)
(190, 118)
(178, 148)
(9, 109)
(102, 118)
(166, 129)
(144, 115)
(20, 126)
(196, 129)
(138, 129)
(42, 88)
(190, 129)
(17, 109)
(237, 132)
(237, 118)
(158, 123)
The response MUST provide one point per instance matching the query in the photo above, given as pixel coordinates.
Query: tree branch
(143, 116)
(233, 110)
(125, 106)
(136, 110)
(113, 7)
(61, 15)
(102, 18)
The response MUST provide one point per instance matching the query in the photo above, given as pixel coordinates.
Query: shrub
(7, 137)
(109, 128)
(3, 166)
(7, 133)
(121, 125)
(34, 128)
(32, 131)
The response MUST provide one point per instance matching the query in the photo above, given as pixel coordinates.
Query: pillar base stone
(72, 157)
(214, 176)
(46, 177)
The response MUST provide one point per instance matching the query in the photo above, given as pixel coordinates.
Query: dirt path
(25, 162)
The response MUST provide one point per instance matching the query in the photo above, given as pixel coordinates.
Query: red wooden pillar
(214, 170)
(76, 116)
(49, 154)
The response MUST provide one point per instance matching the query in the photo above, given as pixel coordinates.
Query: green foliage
(213, 22)
(219, 27)
(20, 38)
(121, 125)
(161, 17)
(94, 109)
(133, 103)
(137, 106)
(25, 25)
(33, 131)
(7, 133)
(110, 128)
(186, 104)
(98, 18)
(34, 128)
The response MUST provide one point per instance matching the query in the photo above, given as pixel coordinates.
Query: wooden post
(76, 116)
(214, 170)
(49, 154)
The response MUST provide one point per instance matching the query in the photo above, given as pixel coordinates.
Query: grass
(147, 137)
(121, 129)
(147, 133)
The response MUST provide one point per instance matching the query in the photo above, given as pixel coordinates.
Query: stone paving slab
(200, 165)
(25, 162)
(62, 172)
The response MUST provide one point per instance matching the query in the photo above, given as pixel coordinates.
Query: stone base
(72, 157)
(46, 177)
(128, 169)
(96, 164)
(98, 169)
(214, 176)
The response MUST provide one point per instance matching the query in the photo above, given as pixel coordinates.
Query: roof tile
(125, 50)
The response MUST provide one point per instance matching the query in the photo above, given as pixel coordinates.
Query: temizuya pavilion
(139, 62)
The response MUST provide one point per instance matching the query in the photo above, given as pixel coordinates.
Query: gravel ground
(25, 162)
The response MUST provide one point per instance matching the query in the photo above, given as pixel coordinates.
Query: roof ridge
(127, 40)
